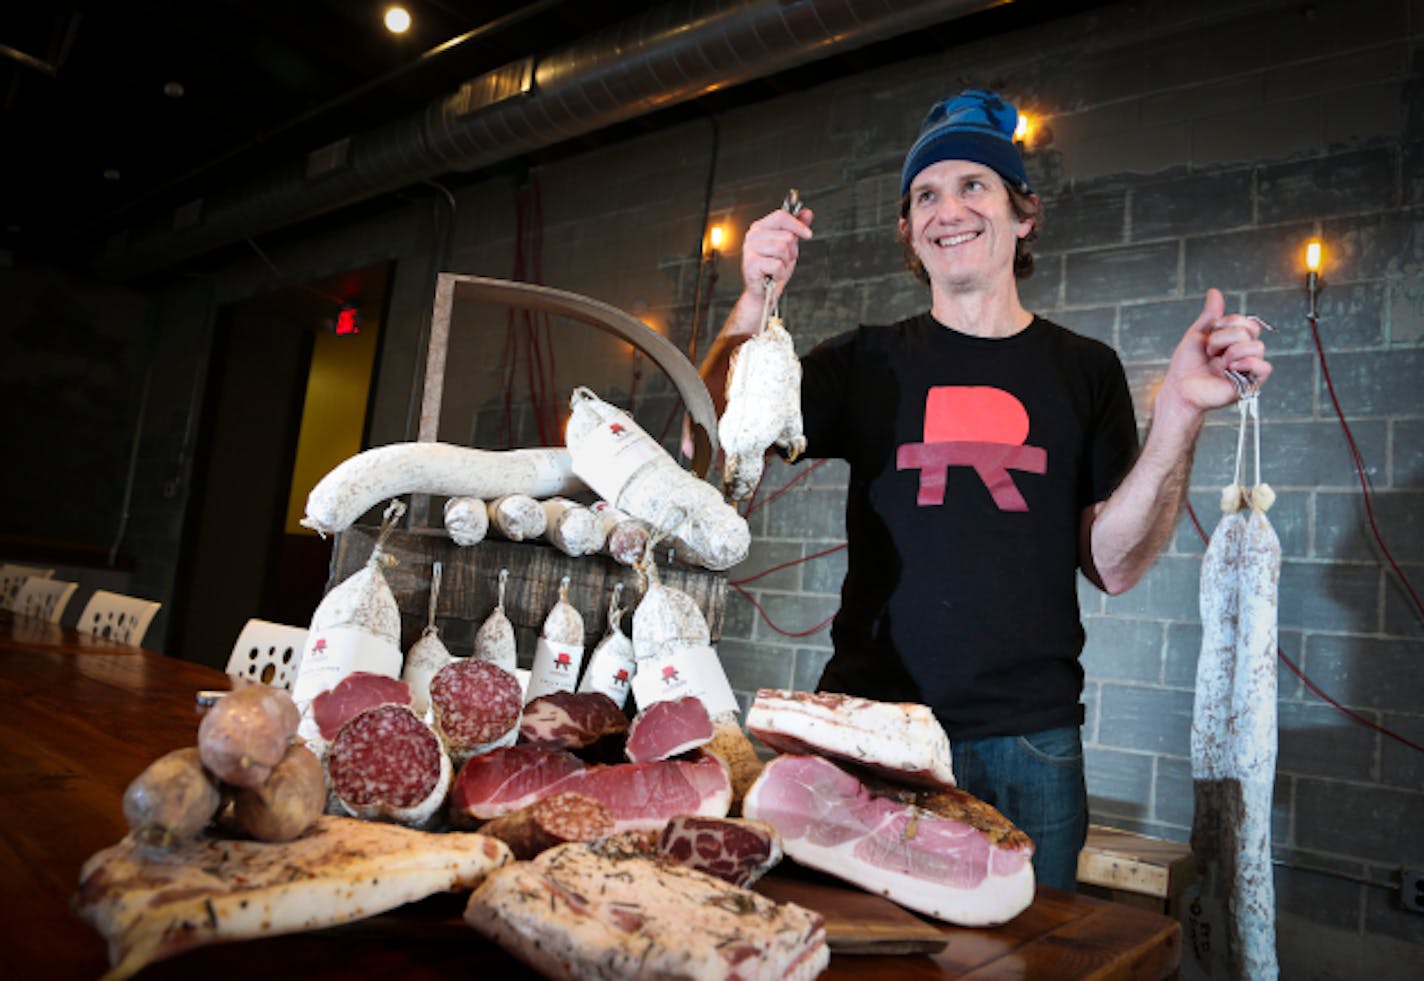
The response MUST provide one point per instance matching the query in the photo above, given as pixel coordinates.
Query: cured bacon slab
(945, 854)
(901, 740)
(152, 904)
(575, 913)
(668, 728)
(571, 720)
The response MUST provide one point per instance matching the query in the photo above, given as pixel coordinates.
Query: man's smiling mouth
(949, 241)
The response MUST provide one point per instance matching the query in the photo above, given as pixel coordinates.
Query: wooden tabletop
(80, 718)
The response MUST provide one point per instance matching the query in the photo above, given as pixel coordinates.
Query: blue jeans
(1036, 781)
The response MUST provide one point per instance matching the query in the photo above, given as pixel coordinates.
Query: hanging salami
(1234, 732)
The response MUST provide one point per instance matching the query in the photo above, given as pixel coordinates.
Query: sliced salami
(386, 763)
(352, 695)
(666, 729)
(476, 707)
(553, 820)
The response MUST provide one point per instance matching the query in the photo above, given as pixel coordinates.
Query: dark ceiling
(115, 109)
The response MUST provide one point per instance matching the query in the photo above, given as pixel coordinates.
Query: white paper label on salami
(555, 668)
(610, 669)
(692, 670)
(608, 457)
(334, 653)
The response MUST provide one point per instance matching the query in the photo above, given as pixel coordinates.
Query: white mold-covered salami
(466, 520)
(494, 641)
(620, 461)
(571, 528)
(386, 764)
(558, 655)
(667, 619)
(611, 665)
(427, 655)
(364, 480)
(763, 408)
(625, 538)
(476, 707)
(517, 517)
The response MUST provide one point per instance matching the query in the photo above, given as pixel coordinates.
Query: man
(992, 454)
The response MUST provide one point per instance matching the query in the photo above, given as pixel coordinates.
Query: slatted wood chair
(12, 577)
(267, 652)
(117, 617)
(43, 599)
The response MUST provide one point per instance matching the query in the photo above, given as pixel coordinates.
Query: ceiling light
(397, 20)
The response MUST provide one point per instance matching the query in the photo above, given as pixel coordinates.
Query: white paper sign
(611, 668)
(555, 668)
(692, 670)
(607, 458)
(334, 653)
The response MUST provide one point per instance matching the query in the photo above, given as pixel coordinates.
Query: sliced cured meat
(506, 779)
(736, 850)
(554, 820)
(387, 764)
(901, 740)
(665, 729)
(646, 795)
(150, 904)
(353, 694)
(574, 913)
(476, 706)
(945, 854)
(571, 720)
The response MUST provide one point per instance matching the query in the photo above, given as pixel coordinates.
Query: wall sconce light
(1314, 256)
(716, 236)
(1023, 130)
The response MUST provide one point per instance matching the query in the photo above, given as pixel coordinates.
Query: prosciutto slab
(668, 728)
(575, 913)
(945, 854)
(901, 740)
(638, 795)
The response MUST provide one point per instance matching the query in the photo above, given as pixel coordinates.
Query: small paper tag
(607, 458)
(610, 669)
(334, 653)
(555, 668)
(692, 670)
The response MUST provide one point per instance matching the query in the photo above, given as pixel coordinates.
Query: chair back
(117, 617)
(44, 599)
(12, 577)
(267, 653)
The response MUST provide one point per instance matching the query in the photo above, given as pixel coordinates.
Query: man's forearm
(743, 322)
(1129, 529)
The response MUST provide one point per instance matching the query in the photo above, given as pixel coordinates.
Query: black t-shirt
(971, 460)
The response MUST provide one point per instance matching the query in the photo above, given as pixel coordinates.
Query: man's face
(962, 225)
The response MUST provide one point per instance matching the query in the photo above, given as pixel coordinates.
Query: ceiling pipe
(664, 56)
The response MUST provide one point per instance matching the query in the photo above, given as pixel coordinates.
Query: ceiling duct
(662, 57)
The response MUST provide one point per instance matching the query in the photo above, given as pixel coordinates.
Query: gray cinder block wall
(1182, 146)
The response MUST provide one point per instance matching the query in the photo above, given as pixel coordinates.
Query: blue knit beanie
(974, 125)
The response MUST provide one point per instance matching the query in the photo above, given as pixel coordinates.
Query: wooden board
(857, 922)
(470, 577)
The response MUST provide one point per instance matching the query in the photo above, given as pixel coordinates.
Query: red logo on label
(620, 677)
(670, 675)
(562, 661)
(320, 645)
(616, 429)
(973, 426)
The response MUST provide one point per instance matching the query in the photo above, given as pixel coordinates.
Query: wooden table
(79, 718)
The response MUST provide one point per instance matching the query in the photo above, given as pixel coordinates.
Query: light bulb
(1313, 255)
(397, 20)
(1022, 128)
(716, 235)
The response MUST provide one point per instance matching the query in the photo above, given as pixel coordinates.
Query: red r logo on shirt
(973, 426)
